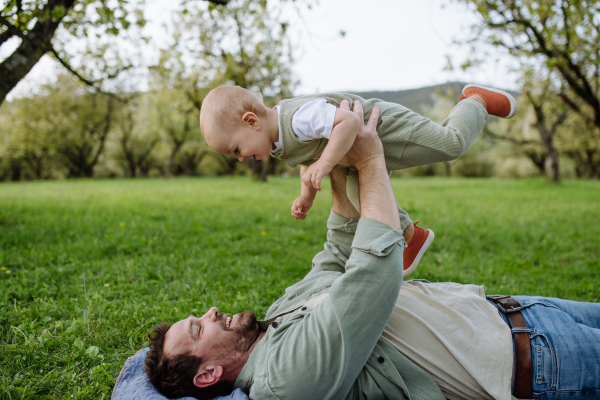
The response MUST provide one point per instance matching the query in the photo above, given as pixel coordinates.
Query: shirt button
(284, 157)
(381, 360)
(274, 324)
(303, 308)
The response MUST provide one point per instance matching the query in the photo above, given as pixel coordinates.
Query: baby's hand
(314, 174)
(301, 206)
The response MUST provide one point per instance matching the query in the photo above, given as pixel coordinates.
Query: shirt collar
(275, 147)
(246, 377)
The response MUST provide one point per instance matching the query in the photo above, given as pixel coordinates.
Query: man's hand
(367, 147)
(301, 206)
(375, 192)
(314, 174)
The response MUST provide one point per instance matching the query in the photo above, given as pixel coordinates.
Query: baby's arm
(345, 129)
(307, 195)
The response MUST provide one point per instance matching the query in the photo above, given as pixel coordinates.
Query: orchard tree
(562, 35)
(135, 143)
(38, 27)
(27, 148)
(580, 141)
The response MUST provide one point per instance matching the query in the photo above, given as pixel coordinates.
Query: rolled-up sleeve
(377, 238)
(338, 247)
(350, 320)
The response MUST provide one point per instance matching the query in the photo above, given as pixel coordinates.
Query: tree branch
(512, 140)
(11, 31)
(93, 84)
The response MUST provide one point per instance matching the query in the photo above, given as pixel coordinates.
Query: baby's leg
(430, 143)
(352, 191)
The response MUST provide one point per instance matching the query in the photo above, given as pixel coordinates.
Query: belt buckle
(512, 309)
(497, 299)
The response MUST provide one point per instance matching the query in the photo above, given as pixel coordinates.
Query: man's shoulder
(311, 286)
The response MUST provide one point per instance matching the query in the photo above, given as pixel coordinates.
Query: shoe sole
(511, 99)
(424, 248)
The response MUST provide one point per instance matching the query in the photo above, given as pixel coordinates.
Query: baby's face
(244, 143)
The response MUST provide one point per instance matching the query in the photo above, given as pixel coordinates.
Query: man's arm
(376, 196)
(332, 346)
(341, 226)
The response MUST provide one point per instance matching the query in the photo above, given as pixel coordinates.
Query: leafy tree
(135, 145)
(176, 120)
(28, 148)
(580, 141)
(43, 26)
(81, 121)
(533, 130)
(550, 114)
(563, 35)
(189, 158)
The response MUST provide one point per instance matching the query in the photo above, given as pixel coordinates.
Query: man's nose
(211, 315)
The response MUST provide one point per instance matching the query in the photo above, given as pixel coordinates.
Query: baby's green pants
(423, 142)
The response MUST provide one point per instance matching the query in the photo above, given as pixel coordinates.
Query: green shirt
(334, 350)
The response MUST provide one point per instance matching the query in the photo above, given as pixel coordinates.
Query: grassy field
(88, 267)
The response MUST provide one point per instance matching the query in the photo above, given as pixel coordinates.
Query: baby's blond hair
(223, 108)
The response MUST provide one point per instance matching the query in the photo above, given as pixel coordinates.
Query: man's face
(214, 336)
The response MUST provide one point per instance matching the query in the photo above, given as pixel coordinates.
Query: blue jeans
(565, 347)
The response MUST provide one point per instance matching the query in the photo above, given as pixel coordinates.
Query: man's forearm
(376, 196)
(341, 203)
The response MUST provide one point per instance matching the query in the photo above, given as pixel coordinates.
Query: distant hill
(414, 99)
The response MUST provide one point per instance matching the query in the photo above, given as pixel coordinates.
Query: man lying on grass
(347, 331)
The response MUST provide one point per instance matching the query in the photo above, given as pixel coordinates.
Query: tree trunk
(590, 167)
(552, 174)
(263, 174)
(15, 170)
(33, 46)
(169, 164)
(448, 167)
(259, 170)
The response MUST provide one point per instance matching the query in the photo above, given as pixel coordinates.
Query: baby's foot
(418, 245)
(497, 102)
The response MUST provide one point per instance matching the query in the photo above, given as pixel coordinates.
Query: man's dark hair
(174, 376)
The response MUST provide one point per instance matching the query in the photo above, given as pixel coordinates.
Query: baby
(312, 131)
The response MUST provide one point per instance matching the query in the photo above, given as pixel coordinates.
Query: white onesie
(314, 120)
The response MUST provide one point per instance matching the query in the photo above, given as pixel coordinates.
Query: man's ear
(208, 375)
(250, 119)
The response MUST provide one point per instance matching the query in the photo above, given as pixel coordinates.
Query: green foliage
(89, 266)
(58, 27)
(557, 44)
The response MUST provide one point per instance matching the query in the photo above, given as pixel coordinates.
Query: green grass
(88, 267)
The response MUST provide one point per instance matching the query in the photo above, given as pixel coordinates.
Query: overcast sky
(389, 45)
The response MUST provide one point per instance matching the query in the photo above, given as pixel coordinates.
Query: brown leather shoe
(498, 102)
(419, 244)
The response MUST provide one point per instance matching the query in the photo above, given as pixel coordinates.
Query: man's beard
(243, 334)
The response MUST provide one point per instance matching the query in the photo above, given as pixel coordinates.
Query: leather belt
(523, 385)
